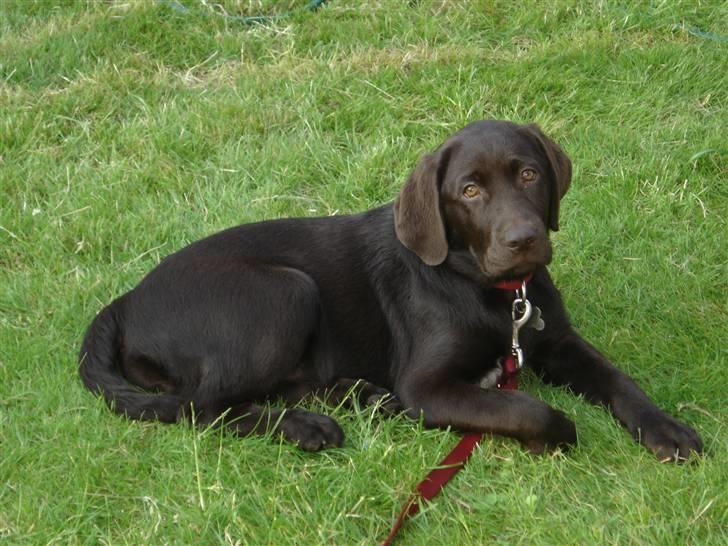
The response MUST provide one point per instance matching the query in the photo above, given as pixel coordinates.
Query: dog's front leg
(467, 407)
(575, 363)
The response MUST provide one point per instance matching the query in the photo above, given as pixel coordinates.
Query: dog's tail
(101, 373)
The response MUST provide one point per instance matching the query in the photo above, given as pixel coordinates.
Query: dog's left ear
(560, 171)
(417, 217)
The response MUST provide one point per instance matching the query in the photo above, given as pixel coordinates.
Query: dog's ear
(560, 171)
(417, 217)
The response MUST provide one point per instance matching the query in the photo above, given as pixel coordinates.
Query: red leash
(456, 459)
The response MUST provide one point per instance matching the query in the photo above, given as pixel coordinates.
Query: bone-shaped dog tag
(536, 322)
(490, 379)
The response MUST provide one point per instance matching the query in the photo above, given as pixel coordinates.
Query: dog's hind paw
(386, 403)
(310, 431)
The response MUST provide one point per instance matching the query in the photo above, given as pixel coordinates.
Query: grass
(128, 130)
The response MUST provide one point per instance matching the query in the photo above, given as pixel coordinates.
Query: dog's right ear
(417, 218)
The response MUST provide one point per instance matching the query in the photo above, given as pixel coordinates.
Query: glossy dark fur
(400, 297)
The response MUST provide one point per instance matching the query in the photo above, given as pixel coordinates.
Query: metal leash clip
(521, 310)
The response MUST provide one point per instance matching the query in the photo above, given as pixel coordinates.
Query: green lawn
(128, 129)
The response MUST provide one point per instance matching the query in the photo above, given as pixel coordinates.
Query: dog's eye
(528, 175)
(471, 190)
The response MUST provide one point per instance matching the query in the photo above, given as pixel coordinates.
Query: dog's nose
(521, 238)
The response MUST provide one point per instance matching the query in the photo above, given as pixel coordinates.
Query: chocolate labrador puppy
(398, 299)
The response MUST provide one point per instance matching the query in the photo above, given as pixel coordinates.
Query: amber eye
(471, 190)
(528, 175)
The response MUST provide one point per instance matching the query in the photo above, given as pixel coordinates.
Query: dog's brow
(520, 160)
(471, 175)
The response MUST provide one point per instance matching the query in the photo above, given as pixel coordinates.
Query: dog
(400, 299)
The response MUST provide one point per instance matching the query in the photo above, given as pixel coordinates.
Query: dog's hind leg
(255, 327)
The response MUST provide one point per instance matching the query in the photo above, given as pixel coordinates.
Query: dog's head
(492, 191)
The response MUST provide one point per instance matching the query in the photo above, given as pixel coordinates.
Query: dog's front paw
(667, 438)
(558, 431)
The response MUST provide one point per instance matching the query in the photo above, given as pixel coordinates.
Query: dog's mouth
(514, 276)
(498, 268)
